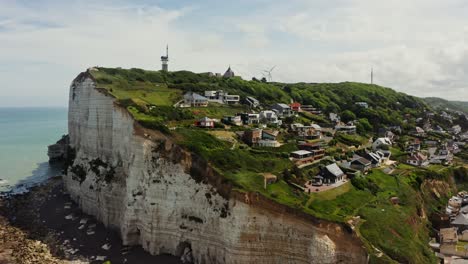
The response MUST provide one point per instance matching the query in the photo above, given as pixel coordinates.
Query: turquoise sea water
(25, 134)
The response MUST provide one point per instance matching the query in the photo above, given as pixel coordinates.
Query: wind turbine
(268, 73)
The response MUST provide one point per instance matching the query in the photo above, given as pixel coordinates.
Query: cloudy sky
(416, 46)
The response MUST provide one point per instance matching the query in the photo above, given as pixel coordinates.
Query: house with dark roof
(252, 102)
(375, 158)
(332, 174)
(249, 118)
(360, 163)
(195, 100)
(461, 220)
(283, 110)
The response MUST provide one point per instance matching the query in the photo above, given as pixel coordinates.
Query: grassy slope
(382, 222)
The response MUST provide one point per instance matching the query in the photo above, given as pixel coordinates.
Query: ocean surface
(25, 134)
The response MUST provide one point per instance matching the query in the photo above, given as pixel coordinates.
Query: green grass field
(138, 90)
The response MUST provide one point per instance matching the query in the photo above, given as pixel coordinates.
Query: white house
(282, 109)
(222, 97)
(269, 117)
(383, 141)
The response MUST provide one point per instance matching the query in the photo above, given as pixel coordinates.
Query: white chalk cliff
(170, 201)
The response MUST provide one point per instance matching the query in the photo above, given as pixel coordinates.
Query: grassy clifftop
(392, 233)
(386, 106)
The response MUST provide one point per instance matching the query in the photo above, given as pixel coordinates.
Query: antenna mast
(372, 76)
(165, 59)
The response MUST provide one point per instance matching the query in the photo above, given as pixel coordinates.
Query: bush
(363, 183)
(156, 125)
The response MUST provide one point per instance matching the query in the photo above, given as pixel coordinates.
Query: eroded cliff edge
(170, 201)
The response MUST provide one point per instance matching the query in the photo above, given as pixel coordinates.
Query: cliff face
(169, 201)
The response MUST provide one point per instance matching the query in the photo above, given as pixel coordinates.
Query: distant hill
(440, 103)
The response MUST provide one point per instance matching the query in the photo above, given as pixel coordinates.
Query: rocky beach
(45, 226)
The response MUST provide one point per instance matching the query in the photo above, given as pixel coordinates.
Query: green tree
(347, 116)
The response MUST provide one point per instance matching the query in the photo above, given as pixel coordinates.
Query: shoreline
(55, 230)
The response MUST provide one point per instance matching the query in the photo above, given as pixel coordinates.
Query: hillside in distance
(443, 104)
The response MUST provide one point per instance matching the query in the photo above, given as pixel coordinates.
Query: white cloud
(419, 47)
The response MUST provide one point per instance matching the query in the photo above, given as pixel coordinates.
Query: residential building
(261, 138)
(307, 132)
(455, 129)
(269, 117)
(309, 146)
(310, 109)
(376, 158)
(282, 110)
(461, 220)
(362, 104)
(222, 97)
(249, 118)
(252, 102)
(334, 117)
(464, 136)
(395, 129)
(302, 157)
(232, 120)
(419, 132)
(431, 143)
(413, 146)
(251, 137)
(332, 174)
(381, 142)
(448, 238)
(316, 149)
(205, 122)
(195, 100)
(446, 116)
(439, 129)
(360, 163)
(347, 129)
(417, 159)
(269, 134)
(296, 107)
(443, 156)
(316, 181)
(386, 133)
